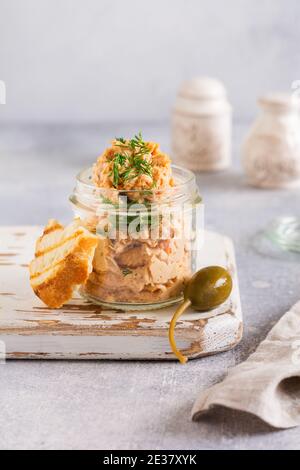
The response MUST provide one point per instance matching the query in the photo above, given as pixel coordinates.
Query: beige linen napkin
(267, 384)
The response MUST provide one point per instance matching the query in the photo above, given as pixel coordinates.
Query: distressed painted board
(81, 330)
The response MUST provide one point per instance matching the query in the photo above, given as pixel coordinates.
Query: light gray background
(115, 60)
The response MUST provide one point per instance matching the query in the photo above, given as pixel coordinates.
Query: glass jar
(147, 241)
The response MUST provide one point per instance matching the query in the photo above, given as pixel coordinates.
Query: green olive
(208, 288)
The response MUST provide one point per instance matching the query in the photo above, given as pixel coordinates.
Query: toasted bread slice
(63, 261)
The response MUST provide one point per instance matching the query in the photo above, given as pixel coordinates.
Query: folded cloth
(267, 384)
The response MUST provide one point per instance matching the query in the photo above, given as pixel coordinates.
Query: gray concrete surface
(136, 405)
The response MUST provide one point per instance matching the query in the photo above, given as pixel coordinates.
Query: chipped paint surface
(82, 330)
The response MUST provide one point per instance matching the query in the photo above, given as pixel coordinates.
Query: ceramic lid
(202, 96)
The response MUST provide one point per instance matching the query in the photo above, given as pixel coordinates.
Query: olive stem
(175, 317)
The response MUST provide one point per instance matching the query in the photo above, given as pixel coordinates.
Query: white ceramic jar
(201, 126)
(271, 151)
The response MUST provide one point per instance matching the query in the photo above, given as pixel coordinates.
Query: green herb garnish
(130, 163)
(121, 140)
(119, 161)
(126, 271)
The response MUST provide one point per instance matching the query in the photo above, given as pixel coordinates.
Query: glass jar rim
(90, 197)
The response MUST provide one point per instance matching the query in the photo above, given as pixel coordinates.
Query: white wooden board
(81, 330)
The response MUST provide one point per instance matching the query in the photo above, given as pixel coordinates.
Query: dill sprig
(120, 140)
(138, 166)
(119, 161)
(130, 162)
(137, 143)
